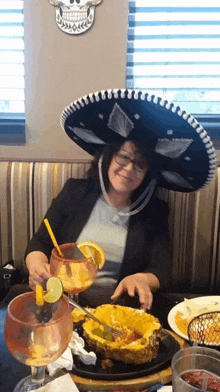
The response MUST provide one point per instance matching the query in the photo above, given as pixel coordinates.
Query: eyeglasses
(124, 160)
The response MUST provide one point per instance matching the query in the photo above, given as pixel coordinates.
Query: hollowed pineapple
(79, 316)
(140, 340)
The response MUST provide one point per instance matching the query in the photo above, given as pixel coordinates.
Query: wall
(60, 68)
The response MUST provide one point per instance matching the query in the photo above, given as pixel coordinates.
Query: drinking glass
(76, 274)
(35, 343)
(195, 369)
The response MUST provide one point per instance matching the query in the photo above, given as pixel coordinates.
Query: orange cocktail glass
(76, 275)
(35, 343)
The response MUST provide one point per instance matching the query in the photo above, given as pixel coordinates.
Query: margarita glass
(35, 343)
(76, 275)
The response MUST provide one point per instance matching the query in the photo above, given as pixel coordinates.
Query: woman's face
(125, 179)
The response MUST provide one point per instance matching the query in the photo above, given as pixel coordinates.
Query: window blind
(11, 57)
(174, 52)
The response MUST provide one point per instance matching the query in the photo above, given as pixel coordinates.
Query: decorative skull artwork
(75, 16)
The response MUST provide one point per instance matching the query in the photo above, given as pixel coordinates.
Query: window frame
(12, 124)
(210, 122)
(12, 129)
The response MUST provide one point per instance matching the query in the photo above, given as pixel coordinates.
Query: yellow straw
(52, 237)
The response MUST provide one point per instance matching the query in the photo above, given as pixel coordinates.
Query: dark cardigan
(147, 245)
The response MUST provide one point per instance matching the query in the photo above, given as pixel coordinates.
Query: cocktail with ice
(34, 342)
(78, 268)
(75, 265)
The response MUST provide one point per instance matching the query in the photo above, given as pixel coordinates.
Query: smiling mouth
(125, 178)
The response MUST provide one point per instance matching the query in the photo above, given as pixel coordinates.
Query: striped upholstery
(27, 189)
(194, 221)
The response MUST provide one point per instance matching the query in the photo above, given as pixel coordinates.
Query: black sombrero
(186, 152)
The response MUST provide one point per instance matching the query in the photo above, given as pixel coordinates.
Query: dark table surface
(11, 371)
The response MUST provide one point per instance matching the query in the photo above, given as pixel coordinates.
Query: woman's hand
(39, 269)
(141, 283)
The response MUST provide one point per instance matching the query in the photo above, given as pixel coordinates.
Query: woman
(137, 255)
(153, 141)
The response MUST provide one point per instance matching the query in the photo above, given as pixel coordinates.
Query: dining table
(163, 376)
(12, 371)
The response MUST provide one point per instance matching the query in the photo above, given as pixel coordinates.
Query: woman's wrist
(35, 257)
(152, 281)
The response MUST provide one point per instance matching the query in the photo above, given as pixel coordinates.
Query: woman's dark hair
(108, 152)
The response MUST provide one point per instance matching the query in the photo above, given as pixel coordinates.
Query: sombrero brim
(186, 152)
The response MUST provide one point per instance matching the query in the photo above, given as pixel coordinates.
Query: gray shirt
(108, 230)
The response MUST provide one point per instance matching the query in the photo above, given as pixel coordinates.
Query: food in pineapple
(107, 363)
(139, 342)
(79, 316)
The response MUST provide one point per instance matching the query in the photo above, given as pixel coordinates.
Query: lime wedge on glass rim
(54, 290)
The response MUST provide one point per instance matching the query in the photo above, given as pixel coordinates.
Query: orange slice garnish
(92, 249)
(39, 295)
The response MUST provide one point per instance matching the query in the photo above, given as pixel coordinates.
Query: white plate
(181, 308)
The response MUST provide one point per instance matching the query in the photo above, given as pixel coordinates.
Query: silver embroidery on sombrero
(86, 135)
(158, 102)
(172, 148)
(176, 179)
(119, 122)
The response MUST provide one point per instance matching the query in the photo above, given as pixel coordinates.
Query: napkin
(63, 362)
(76, 347)
(166, 388)
(60, 384)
